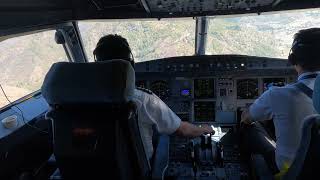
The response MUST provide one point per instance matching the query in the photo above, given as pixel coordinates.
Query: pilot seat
(95, 126)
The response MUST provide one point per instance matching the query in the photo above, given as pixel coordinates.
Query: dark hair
(305, 49)
(113, 46)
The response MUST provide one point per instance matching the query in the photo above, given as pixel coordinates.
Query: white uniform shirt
(288, 107)
(152, 111)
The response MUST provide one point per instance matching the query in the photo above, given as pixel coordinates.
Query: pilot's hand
(245, 117)
(207, 129)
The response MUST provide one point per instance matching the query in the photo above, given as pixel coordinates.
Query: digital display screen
(204, 88)
(268, 83)
(185, 92)
(247, 88)
(204, 111)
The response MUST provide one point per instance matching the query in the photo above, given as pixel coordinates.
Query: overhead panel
(199, 6)
(107, 4)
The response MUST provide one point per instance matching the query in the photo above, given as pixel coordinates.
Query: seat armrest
(161, 158)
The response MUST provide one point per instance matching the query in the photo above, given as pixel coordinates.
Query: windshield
(148, 39)
(268, 35)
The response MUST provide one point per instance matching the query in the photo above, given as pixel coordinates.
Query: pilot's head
(111, 47)
(305, 50)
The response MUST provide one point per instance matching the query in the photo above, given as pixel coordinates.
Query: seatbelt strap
(310, 76)
(304, 88)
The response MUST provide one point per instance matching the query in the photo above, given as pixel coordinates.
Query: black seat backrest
(307, 160)
(311, 168)
(95, 125)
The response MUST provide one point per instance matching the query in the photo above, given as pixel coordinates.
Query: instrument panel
(210, 89)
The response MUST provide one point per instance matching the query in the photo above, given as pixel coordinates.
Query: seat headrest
(99, 82)
(316, 94)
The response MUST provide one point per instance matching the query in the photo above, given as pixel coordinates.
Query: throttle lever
(193, 158)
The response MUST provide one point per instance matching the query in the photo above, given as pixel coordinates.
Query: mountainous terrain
(25, 60)
(267, 35)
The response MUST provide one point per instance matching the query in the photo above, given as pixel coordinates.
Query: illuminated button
(242, 65)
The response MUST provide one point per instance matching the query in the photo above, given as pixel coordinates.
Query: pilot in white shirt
(152, 111)
(287, 106)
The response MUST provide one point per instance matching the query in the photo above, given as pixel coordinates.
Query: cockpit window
(267, 35)
(24, 62)
(148, 39)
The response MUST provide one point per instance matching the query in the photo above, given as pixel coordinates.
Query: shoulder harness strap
(305, 89)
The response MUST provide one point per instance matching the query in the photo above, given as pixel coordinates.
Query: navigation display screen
(204, 88)
(268, 83)
(204, 111)
(247, 88)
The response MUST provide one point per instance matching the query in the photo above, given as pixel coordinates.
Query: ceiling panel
(196, 6)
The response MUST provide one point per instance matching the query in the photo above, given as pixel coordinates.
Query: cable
(5, 95)
(21, 112)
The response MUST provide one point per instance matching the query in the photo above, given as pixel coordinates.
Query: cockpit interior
(207, 60)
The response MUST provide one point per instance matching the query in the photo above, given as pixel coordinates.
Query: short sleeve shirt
(288, 107)
(152, 111)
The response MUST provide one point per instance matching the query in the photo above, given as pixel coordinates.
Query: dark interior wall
(25, 150)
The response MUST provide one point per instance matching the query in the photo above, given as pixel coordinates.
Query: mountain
(24, 61)
(267, 35)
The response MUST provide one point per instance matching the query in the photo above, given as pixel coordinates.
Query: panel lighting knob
(10, 122)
